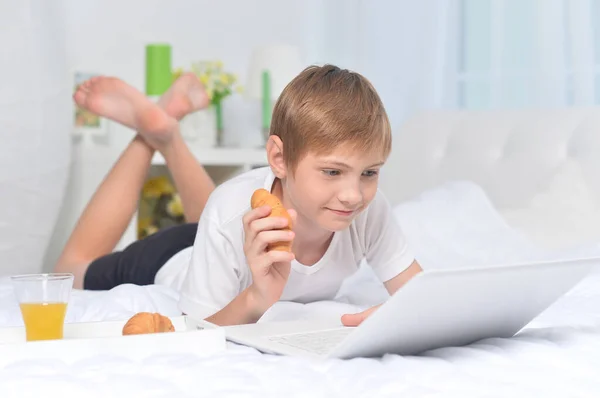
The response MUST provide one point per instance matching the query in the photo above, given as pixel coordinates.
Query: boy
(330, 136)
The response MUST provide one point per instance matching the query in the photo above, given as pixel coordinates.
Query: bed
(469, 189)
(539, 168)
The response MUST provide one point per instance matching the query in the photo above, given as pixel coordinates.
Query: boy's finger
(352, 319)
(279, 256)
(268, 224)
(255, 214)
(264, 238)
(357, 319)
(251, 217)
(267, 260)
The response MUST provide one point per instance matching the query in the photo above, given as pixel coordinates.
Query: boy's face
(331, 190)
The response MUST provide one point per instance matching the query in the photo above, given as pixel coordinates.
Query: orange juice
(44, 321)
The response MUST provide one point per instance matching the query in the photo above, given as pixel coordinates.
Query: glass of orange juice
(43, 299)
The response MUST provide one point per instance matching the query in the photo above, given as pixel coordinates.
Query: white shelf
(224, 156)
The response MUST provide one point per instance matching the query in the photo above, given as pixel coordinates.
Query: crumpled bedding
(558, 354)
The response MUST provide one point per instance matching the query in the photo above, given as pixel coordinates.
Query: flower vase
(199, 129)
(219, 122)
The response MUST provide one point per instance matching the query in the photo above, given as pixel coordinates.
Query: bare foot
(114, 99)
(185, 96)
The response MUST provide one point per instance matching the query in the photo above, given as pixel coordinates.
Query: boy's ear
(275, 156)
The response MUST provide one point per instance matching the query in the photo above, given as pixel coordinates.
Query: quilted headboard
(516, 156)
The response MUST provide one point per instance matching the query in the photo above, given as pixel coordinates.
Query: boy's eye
(370, 173)
(331, 173)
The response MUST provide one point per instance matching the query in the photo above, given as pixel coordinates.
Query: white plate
(87, 339)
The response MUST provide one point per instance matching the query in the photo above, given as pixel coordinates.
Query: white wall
(108, 37)
(34, 145)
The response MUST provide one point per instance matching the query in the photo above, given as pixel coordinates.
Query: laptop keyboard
(319, 343)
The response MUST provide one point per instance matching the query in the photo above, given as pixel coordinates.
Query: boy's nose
(350, 197)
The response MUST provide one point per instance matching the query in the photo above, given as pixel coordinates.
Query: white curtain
(532, 53)
(34, 131)
(474, 54)
(408, 49)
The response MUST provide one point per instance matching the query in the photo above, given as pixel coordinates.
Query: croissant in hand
(262, 197)
(146, 322)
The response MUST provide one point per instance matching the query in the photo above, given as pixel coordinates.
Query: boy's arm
(386, 248)
(399, 280)
(392, 286)
(226, 285)
(241, 310)
(215, 275)
(387, 252)
(270, 268)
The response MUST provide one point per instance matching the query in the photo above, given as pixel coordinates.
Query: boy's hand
(357, 319)
(392, 286)
(270, 269)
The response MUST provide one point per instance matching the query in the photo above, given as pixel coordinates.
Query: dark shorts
(139, 262)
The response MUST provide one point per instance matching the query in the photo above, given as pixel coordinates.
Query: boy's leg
(140, 262)
(192, 182)
(110, 211)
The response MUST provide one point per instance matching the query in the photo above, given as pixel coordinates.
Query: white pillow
(567, 214)
(456, 225)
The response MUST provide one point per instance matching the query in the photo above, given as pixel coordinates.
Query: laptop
(436, 308)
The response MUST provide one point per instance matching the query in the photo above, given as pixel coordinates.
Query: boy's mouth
(345, 213)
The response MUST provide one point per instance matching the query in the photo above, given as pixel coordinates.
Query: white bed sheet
(452, 226)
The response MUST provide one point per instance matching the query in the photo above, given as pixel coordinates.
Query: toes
(79, 97)
(93, 82)
(188, 75)
(190, 78)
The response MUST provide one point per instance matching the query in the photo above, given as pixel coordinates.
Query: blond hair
(326, 107)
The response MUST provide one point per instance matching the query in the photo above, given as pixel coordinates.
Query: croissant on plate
(262, 197)
(146, 322)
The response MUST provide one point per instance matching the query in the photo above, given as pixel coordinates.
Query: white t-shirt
(218, 271)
